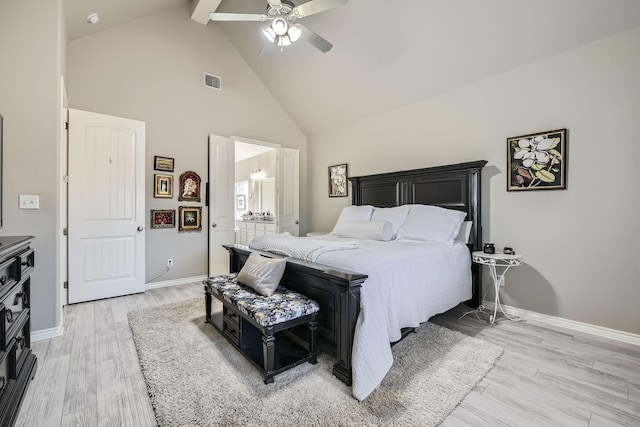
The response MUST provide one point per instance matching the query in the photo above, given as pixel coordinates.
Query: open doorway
(262, 198)
(255, 191)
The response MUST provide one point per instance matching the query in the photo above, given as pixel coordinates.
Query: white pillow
(262, 274)
(355, 213)
(431, 224)
(464, 233)
(371, 230)
(396, 216)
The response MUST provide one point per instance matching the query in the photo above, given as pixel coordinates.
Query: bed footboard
(336, 291)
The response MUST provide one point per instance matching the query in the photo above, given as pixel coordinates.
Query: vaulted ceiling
(390, 53)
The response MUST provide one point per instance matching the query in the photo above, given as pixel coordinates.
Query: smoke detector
(93, 18)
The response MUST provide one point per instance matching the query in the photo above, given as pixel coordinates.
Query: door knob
(214, 225)
(297, 222)
(140, 228)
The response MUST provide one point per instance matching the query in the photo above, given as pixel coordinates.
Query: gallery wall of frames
(188, 190)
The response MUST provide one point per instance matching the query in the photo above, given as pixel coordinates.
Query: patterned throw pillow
(262, 274)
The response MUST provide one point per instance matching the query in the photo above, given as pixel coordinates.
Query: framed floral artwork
(189, 187)
(163, 218)
(190, 218)
(163, 163)
(338, 181)
(537, 161)
(163, 186)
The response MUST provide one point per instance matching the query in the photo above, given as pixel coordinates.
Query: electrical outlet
(169, 262)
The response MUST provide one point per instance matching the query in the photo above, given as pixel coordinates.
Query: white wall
(31, 49)
(579, 245)
(152, 69)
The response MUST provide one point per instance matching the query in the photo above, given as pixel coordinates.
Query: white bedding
(304, 249)
(409, 282)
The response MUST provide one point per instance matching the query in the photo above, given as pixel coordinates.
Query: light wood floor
(91, 377)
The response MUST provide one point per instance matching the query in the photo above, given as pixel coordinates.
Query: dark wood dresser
(17, 362)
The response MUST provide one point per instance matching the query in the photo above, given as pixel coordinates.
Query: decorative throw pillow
(262, 274)
(354, 213)
(370, 230)
(431, 224)
(396, 216)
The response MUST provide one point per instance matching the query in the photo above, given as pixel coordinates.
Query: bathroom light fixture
(257, 174)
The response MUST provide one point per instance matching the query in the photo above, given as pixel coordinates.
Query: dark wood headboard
(451, 186)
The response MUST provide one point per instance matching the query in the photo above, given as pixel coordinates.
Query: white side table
(494, 262)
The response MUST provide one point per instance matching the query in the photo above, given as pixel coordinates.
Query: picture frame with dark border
(537, 161)
(190, 218)
(163, 186)
(163, 163)
(338, 185)
(163, 218)
(189, 187)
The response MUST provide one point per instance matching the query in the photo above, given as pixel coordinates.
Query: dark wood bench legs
(313, 341)
(207, 306)
(268, 354)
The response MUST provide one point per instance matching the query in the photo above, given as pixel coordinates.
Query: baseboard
(560, 322)
(174, 282)
(45, 334)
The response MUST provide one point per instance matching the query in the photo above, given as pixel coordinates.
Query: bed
(337, 286)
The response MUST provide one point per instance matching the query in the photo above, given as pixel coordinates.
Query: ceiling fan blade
(237, 17)
(316, 6)
(320, 43)
(274, 2)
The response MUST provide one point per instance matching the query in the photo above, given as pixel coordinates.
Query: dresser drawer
(9, 274)
(22, 344)
(26, 262)
(7, 367)
(15, 311)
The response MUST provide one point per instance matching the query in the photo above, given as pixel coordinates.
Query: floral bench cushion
(280, 307)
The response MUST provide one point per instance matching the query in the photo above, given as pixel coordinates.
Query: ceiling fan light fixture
(294, 33)
(269, 34)
(280, 26)
(284, 40)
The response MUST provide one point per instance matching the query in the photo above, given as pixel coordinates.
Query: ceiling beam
(200, 9)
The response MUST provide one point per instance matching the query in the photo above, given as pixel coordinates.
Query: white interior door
(106, 206)
(288, 215)
(221, 197)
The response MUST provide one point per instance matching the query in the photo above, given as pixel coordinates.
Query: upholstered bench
(255, 323)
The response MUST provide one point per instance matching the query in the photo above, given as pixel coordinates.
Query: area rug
(196, 378)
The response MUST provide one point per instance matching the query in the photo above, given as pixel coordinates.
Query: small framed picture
(163, 186)
(338, 181)
(189, 187)
(190, 218)
(163, 218)
(241, 202)
(537, 161)
(163, 163)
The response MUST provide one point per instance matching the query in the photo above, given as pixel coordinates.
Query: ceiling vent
(212, 81)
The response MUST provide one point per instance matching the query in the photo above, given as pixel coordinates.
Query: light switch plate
(29, 202)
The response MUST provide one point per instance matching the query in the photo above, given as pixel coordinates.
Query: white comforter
(304, 249)
(408, 283)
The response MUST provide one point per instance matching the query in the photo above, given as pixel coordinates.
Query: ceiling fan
(283, 29)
